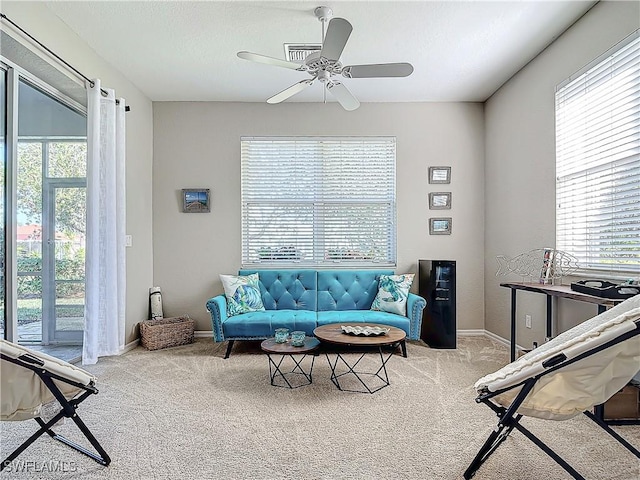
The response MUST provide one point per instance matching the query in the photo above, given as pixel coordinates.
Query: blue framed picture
(195, 200)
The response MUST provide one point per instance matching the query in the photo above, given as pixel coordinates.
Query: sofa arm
(217, 307)
(415, 307)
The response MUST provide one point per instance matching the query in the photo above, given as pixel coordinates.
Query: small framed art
(195, 200)
(439, 200)
(439, 174)
(440, 226)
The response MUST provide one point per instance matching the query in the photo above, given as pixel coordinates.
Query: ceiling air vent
(297, 52)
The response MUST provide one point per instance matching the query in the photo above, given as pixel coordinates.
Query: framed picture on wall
(439, 174)
(440, 226)
(439, 200)
(195, 200)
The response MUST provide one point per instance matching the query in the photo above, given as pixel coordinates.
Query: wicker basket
(166, 332)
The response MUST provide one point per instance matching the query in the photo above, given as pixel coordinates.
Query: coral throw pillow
(243, 293)
(393, 291)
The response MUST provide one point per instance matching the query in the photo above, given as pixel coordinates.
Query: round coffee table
(332, 334)
(286, 350)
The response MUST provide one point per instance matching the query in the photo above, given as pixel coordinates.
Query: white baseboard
(203, 333)
(476, 332)
(130, 346)
(501, 340)
(127, 348)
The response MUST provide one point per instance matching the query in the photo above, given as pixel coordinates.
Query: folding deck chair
(576, 371)
(32, 379)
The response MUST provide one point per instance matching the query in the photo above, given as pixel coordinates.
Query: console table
(551, 291)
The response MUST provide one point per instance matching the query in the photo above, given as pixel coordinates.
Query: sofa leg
(229, 347)
(403, 345)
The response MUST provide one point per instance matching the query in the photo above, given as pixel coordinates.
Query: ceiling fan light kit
(325, 65)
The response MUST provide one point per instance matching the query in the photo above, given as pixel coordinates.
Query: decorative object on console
(439, 200)
(195, 200)
(440, 226)
(324, 65)
(393, 291)
(243, 293)
(600, 288)
(439, 174)
(547, 264)
(546, 272)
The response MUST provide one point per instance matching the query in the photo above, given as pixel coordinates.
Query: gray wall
(520, 163)
(40, 22)
(197, 145)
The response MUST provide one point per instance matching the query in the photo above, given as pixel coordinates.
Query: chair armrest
(217, 307)
(415, 307)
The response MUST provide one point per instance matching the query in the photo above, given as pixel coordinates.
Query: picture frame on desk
(546, 272)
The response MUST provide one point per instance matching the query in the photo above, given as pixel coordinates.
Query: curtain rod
(57, 57)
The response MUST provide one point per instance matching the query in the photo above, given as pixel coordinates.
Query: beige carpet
(186, 413)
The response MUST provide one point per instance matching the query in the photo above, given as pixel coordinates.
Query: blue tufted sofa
(305, 299)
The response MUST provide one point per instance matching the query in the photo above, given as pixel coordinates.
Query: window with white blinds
(598, 163)
(318, 201)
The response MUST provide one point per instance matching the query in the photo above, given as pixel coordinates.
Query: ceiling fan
(325, 65)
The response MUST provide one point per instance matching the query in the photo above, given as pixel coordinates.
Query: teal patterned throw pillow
(243, 293)
(393, 291)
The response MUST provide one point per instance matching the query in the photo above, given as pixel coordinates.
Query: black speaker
(437, 285)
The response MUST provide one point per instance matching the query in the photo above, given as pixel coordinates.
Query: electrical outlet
(128, 241)
(527, 321)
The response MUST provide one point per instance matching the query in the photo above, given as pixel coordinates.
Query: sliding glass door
(47, 214)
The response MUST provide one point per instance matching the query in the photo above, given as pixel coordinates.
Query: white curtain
(105, 247)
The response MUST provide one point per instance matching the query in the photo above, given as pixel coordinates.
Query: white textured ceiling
(182, 50)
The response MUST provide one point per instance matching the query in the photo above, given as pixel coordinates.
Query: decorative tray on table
(364, 331)
(601, 288)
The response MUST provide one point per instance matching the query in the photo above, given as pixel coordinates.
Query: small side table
(286, 350)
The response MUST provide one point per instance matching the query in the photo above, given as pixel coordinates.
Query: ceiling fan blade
(378, 70)
(343, 95)
(290, 92)
(254, 57)
(336, 38)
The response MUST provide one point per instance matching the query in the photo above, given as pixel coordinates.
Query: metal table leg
(381, 374)
(275, 371)
(512, 347)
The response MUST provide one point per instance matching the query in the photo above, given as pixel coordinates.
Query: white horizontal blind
(318, 201)
(598, 164)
